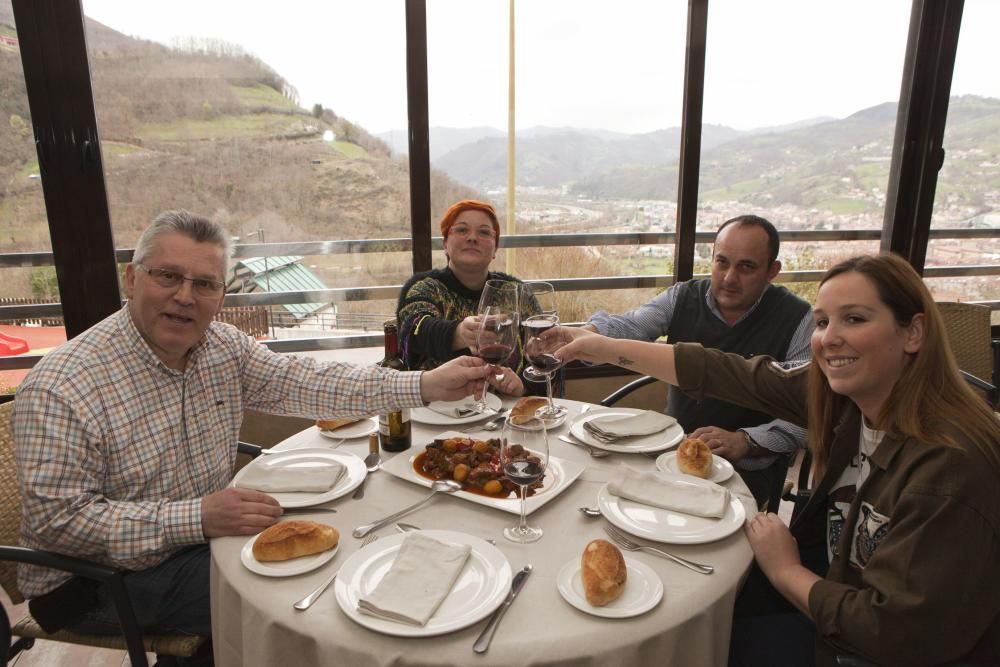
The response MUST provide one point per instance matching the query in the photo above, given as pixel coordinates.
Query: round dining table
(254, 623)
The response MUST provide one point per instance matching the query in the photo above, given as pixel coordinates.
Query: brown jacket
(925, 588)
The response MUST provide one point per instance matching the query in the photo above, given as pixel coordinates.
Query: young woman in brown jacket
(906, 479)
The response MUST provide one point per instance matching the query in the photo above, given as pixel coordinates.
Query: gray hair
(195, 227)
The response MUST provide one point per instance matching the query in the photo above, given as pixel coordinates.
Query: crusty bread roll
(331, 424)
(603, 571)
(526, 407)
(291, 539)
(694, 458)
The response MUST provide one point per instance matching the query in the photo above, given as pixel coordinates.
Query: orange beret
(451, 215)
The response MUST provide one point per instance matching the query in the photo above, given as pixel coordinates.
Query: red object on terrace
(11, 345)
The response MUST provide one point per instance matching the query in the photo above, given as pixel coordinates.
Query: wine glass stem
(481, 403)
(548, 391)
(522, 525)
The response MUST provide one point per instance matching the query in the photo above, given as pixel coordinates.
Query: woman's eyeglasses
(171, 280)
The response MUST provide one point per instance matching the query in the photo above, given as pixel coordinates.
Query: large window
(23, 227)
(267, 124)
(800, 111)
(968, 187)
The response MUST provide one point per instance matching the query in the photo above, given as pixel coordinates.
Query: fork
(624, 542)
(600, 434)
(308, 600)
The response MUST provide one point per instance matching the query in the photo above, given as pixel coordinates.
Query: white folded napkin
(671, 491)
(311, 475)
(418, 581)
(646, 422)
(453, 409)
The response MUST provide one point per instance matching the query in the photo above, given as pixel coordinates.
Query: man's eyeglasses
(172, 280)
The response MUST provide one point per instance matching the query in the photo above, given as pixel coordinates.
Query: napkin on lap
(418, 581)
(646, 422)
(671, 491)
(305, 475)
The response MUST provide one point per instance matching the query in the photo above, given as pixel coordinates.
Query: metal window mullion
(917, 152)
(57, 79)
(689, 163)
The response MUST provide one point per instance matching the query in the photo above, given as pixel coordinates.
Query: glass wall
(799, 118)
(23, 224)
(269, 124)
(597, 107)
(968, 187)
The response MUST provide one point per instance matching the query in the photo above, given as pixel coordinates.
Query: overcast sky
(601, 64)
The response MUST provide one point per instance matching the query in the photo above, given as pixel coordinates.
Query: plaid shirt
(115, 450)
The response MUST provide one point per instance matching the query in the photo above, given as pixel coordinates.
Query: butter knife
(483, 642)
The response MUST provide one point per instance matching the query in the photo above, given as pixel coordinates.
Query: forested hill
(213, 129)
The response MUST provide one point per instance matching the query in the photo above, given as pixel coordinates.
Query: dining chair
(969, 336)
(27, 629)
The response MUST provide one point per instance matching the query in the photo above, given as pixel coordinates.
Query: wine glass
(544, 364)
(495, 342)
(524, 455)
(538, 298)
(498, 294)
(497, 305)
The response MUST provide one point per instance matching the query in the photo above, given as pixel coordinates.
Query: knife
(307, 510)
(483, 642)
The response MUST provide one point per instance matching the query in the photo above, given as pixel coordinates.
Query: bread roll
(526, 407)
(291, 539)
(694, 458)
(603, 571)
(331, 424)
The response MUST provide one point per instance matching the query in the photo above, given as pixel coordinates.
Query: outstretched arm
(656, 359)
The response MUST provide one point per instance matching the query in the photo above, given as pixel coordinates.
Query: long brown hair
(930, 401)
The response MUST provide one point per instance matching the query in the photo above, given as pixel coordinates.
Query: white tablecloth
(253, 621)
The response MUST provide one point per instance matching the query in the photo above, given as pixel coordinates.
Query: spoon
(439, 486)
(493, 424)
(595, 452)
(591, 512)
(373, 462)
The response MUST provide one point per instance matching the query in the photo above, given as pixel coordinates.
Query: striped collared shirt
(115, 450)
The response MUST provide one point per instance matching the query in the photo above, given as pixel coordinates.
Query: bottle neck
(391, 343)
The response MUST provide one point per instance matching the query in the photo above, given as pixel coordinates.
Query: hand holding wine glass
(524, 455)
(494, 343)
(544, 364)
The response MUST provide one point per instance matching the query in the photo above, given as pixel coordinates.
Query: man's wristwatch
(755, 449)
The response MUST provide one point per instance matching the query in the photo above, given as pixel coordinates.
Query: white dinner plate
(668, 437)
(478, 591)
(284, 568)
(356, 430)
(559, 474)
(721, 468)
(428, 416)
(353, 475)
(643, 590)
(663, 525)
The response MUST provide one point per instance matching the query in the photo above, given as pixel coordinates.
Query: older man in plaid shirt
(126, 435)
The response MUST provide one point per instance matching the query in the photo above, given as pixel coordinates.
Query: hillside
(213, 129)
(838, 165)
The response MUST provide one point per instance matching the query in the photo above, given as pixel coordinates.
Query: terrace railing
(10, 312)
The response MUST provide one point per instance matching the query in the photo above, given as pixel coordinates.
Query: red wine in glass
(495, 353)
(523, 473)
(546, 363)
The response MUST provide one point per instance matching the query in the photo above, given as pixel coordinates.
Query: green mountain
(837, 165)
(213, 129)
